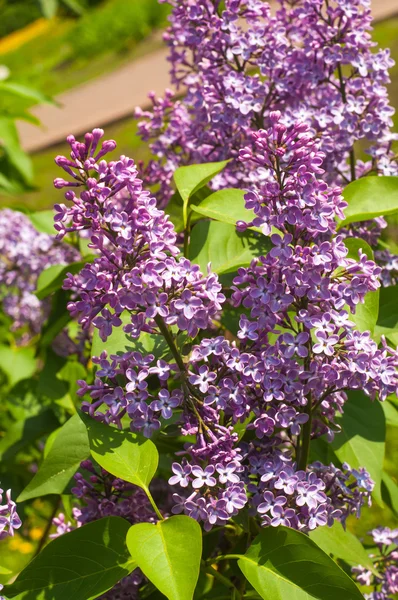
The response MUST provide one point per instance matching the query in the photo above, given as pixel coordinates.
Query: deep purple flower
(295, 345)
(165, 403)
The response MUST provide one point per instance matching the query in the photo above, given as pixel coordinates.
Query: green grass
(53, 71)
(73, 51)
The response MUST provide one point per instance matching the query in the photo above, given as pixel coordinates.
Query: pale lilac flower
(227, 473)
(181, 475)
(203, 477)
(325, 344)
(203, 379)
(165, 403)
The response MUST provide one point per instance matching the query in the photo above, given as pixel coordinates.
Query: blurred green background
(49, 47)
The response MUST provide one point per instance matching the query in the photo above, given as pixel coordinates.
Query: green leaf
(26, 431)
(390, 413)
(25, 92)
(75, 6)
(227, 206)
(84, 248)
(226, 249)
(169, 554)
(175, 208)
(70, 448)
(9, 140)
(43, 221)
(354, 245)
(361, 442)
(80, 565)
(58, 318)
(71, 373)
(49, 8)
(24, 115)
(387, 323)
(122, 453)
(52, 278)
(119, 342)
(341, 544)
(370, 197)
(11, 186)
(193, 177)
(17, 363)
(366, 313)
(389, 492)
(284, 564)
(50, 441)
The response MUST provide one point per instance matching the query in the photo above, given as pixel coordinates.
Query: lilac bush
(288, 387)
(242, 311)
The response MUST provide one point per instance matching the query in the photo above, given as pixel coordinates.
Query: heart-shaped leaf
(361, 442)
(122, 453)
(387, 323)
(389, 492)
(370, 197)
(366, 313)
(80, 565)
(193, 177)
(22, 91)
(390, 411)
(169, 554)
(119, 342)
(52, 278)
(284, 564)
(9, 142)
(69, 449)
(25, 431)
(43, 221)
(341, 543)
(226, 205)
(225, 248)
(354, 245)
(17, 363)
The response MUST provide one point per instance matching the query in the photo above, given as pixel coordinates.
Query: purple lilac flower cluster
(308, 275)
(110, 402)
(236, 61)
(136, 269)
(298, 350)
(24, 254)
(9, 519)
(385, 559)
(219, 474)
